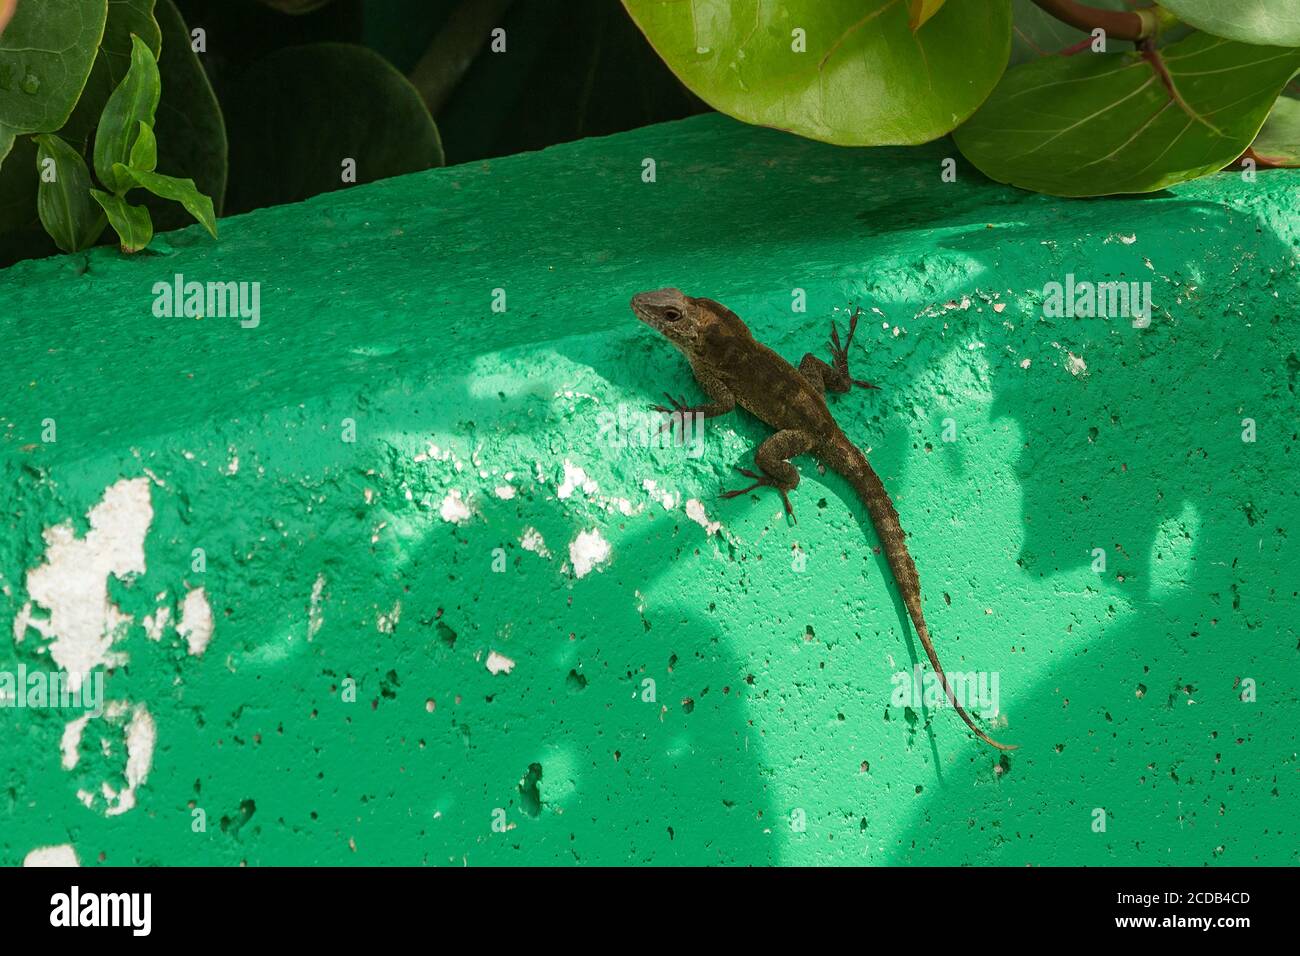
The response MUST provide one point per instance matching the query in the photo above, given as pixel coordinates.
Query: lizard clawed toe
(678, 410)
(760, 481)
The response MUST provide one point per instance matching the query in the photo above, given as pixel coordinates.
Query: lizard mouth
(652, 309)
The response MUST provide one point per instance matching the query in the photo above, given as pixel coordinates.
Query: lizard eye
(672, 315)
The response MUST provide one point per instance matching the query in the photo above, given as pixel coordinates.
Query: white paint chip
(156, 623)
(196, 621)
(575, 478)
(315, 616)
(499, 663)
(531, 540)
(695, 511)
(70, 744)
(141, 737)
(61, 855)
(72, 584)
(454, 508)
(588, 551)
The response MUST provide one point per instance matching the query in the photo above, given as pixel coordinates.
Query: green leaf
(132, 224)
(1278, 143)
(1099, 124)
(1265, 22)
(865, 79)
(134, 101)
(144, 154)
(63, 201)
(182, 191)
(46, 54)
(190, 129)
(332, 103)
(125, 19)
(918, 11)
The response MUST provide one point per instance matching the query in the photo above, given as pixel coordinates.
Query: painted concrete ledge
(500, 575)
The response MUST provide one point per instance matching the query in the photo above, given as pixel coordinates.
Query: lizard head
(676, 316)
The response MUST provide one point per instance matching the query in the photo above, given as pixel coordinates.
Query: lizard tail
(845, 457)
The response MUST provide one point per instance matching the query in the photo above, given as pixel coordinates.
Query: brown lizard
(734, 369)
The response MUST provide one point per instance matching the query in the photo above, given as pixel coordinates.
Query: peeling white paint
(499, 663)
(21, 622)
(505, 492)
(531, 540)
(1075, 364)
(315, 616)
(70, 744)
(196, 621)
(387, 623)
(574, 478)
(454, 508)
(695, 511)
(588, 551)
(141, 738)
(156, 623)
(61, 855)
(72, 584)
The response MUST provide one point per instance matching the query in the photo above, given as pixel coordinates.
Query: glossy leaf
(1099, 124)
(144, 154)
(919, 11)
(125, 18)
(182, 191)
(63, 200)
(132, 224)
(863, 78)
(134, 101)
(1278, 143)
(46, 54)
(1266, 22)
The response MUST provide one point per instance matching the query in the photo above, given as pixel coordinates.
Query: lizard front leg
(723, 401)
(772, 459)
(836, 377)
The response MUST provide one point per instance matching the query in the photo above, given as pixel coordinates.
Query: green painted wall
(328, 559)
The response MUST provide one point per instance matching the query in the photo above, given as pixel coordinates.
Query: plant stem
(454, 49)
(1118, 24)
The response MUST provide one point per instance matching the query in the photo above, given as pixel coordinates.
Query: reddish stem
(1118, 24)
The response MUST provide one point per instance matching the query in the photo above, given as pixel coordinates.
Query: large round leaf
(190, 130)
(1278, 143)
(46, 53)
(1097, 124)
(298, 115)
(864, 79)
(1271, 22)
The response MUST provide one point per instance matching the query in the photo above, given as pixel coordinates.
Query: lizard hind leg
(772, 458)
